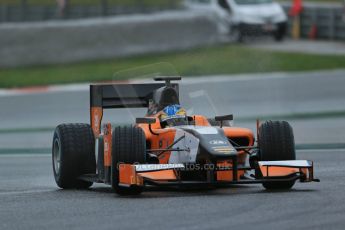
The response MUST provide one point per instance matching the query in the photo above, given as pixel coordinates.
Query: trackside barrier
(53, 42)
(328, 21)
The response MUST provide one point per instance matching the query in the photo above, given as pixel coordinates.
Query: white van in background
(242, 18)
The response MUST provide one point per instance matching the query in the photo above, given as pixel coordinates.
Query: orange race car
(168, 147)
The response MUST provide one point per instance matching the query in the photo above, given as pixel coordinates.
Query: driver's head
(173, 115)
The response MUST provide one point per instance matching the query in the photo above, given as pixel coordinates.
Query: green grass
(225, 59)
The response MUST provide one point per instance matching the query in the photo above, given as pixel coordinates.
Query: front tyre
(276, 143)
(73, 155)
(129, 147)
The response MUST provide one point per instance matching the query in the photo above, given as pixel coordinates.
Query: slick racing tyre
(276, 143)
(128, 146)
(73, 155)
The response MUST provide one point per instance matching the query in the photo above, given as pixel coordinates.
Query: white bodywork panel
(190, 143)
(293, 163)
(202, 129)
(157, 167)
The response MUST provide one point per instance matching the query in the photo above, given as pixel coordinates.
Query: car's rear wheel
(276, 143)
(73, 155)
(129, 147)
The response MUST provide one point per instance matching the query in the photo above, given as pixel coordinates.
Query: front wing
(169, 174)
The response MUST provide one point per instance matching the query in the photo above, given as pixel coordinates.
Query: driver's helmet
(173, 115)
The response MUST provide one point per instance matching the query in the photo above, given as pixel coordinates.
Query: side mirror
(145, 120)
(167, 78)
(189, 118)
(229, 117)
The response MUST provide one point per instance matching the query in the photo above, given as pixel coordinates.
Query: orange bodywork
(107, 144)
(162, 138)
(234, 133)
(164, 175)
(279, 171)
(128, 175)
(96, 119)
(165, 137)
(227, 175)
(160, 142)
(201, 120)
(276, 171)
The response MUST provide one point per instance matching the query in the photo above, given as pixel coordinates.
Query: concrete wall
(20, 11)
(54, 42)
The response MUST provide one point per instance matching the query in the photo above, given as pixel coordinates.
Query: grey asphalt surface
(246, 96)
(303, 46)
(29, 199)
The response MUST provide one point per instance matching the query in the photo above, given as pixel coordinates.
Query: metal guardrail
(329, 21)
(328, 18)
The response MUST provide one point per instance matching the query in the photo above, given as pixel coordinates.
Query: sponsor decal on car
(223, 149)
(218, 142)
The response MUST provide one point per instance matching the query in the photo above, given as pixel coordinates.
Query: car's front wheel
(276, 143)
(129, 147)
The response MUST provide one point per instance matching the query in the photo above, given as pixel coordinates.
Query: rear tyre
(129, 146)
(276, 142)
(73, 155)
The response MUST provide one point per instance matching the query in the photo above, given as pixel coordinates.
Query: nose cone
(212, 142)
(217, 146)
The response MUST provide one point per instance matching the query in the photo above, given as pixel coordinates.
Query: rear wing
(112, 96)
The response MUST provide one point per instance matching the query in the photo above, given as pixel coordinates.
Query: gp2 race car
(182, 151)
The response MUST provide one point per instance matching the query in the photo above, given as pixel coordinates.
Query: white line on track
(320, 150)
(25, 192)
(21, 155)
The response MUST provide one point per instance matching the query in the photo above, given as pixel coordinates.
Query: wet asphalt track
(29, 198)
(246, 96)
